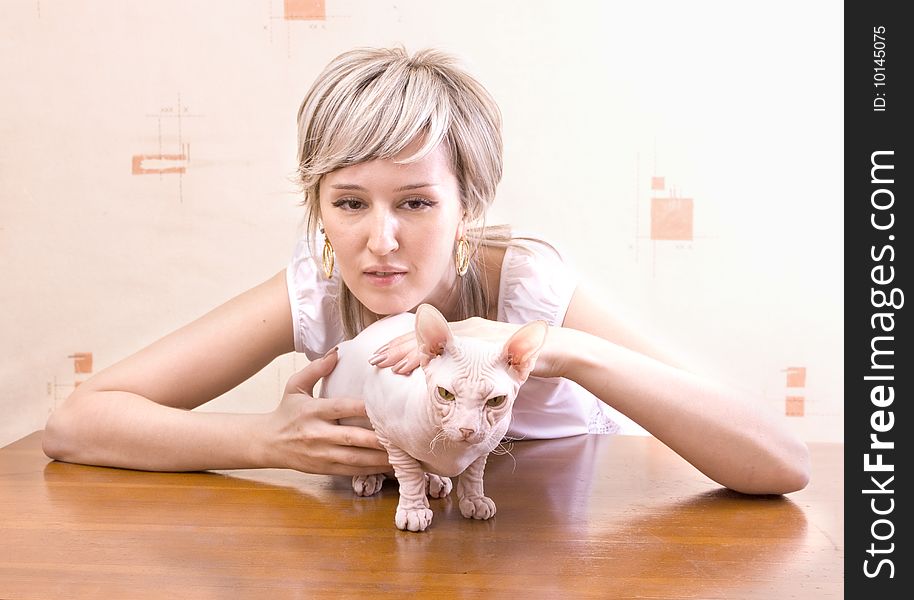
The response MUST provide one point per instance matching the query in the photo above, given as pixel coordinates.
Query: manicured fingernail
(331, 351)
(396, 368)
(377, 358)
(382, 349)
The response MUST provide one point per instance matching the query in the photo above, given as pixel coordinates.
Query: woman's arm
(137, 413)
(724, 433)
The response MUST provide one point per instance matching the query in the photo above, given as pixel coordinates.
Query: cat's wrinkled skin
(442, 420)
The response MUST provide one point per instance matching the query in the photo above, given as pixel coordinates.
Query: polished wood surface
(590, 516)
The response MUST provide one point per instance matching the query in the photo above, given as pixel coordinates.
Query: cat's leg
(413, 513)
(473, 503)
(368, 485)
(438, 486)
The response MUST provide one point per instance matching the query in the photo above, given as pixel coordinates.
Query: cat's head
(472, 383)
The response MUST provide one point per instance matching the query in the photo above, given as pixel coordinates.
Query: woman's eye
(445, 394)
(348, 203)
(496, 401)
(418, 203)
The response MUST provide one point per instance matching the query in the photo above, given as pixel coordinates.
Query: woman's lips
(384, 278)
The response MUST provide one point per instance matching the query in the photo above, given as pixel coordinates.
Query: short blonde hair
(371, 103)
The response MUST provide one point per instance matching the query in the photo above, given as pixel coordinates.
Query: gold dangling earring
(462, 256)
(327, 258)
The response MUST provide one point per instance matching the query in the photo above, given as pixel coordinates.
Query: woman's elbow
(791, 479)
(783, 475)
(59, 434)
(799, 471)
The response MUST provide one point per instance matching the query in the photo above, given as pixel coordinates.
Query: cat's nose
(467, 432)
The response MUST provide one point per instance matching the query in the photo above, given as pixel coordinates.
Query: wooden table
(590, 516)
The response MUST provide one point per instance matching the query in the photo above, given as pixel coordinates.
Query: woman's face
(393, 228)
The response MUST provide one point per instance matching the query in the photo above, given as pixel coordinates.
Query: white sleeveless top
(536, 283)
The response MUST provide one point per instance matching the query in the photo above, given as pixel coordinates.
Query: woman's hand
(308, 436)
(402, 352)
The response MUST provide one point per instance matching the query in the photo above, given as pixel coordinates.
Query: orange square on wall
(671, 218)
(657, 183)
(148, 164)
(304, 10)
(794, 406)
(82, 362)
(796, 377)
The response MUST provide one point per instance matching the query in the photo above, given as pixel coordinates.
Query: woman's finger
(349, 470)
(365, 458)
(407, 364)
(333, 409)
(393, 352)
(354, 437)
(303, 382)
(408, 339)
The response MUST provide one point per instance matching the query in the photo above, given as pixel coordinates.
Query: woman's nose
(383, 236)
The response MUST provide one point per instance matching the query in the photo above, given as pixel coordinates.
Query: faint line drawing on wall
(671, 225)
(82, 366)
(172, 155)
(297, 17)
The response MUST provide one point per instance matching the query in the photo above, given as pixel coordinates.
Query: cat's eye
(445, 394)
(496, 401)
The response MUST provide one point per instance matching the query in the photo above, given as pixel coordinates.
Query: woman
(398, 157)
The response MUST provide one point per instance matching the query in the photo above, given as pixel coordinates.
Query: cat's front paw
(413, 519)
(367, 485)
(477, 507)
(437, 486)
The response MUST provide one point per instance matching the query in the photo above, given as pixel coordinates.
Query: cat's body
(442, 420)
(398, 405)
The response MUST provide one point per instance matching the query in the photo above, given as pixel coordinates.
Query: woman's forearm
(121, 429)
(723, 434)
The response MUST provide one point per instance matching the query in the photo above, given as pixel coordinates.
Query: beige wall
(737, 109)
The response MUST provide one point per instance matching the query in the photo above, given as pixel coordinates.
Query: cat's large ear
(432, 333)
(521, 350)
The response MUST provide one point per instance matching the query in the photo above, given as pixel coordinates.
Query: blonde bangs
(362, 112)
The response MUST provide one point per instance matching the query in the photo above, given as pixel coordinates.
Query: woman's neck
(446, 298)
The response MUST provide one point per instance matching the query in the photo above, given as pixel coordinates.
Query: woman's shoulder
(313, 298)
(537, 245)
(535, 279)
(506, 241)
